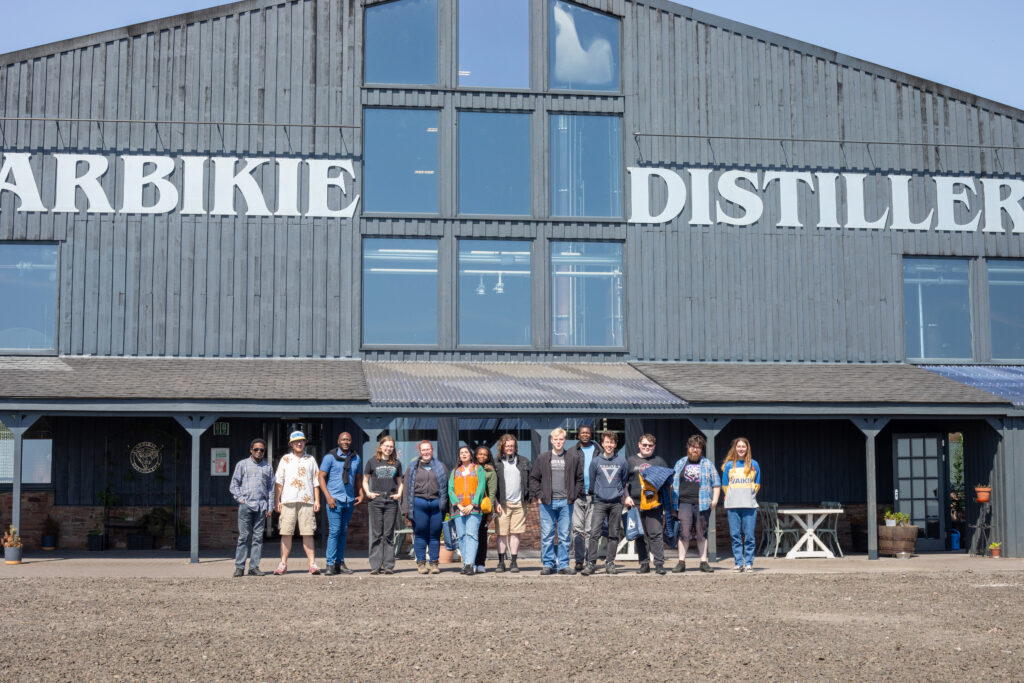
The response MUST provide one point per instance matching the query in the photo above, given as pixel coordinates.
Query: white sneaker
(749, 568)
(738, 568)
(480, 569)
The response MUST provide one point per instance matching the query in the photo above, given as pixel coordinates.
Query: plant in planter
(97, 539)
(896, 518)
(50, 532)
(12, 546)
(898, 537)
(997, 548)
(983, 493)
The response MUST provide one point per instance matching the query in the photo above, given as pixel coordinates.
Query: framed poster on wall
(219, 459)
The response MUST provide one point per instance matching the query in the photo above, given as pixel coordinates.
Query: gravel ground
(764, 626)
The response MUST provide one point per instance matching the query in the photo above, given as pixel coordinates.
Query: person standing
(556, 482)
(609, 491)
(467, 487)
(695, 491)
(483, 458)
(297, 500)
(382, 484)
(252, 487)
(426, 502)
(652, 514)
(513, 475)
(741, 479)
(340, 478)
(585, 449)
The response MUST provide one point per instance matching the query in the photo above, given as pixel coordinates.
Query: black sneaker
(660, 570)
(579, 566)
(513, 567)
(588, 570)
(644, 569)
(679, 568)
(332, 570)
(467, 570)
(255, 571)
(547, 571)
(610, 569)
(706, 568)
(238, 572)
(342, 569)
(567, 571)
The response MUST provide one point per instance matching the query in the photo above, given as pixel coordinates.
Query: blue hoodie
(609, 478)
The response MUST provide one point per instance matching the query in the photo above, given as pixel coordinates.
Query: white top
(297, 477)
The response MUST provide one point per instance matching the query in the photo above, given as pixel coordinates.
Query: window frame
(393, 346)
(456, 305)
(549, 62)
(456, 48)
(55, 350)
(436, 85)
(549, 161)
(441, 150)
(549, 325)
(457, 162)
(985, 315)
(972, 306)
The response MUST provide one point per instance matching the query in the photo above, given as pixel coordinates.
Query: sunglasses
(259, 450)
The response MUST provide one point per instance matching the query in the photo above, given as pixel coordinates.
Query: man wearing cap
(340, 478)
(298, 500)
(252, 486)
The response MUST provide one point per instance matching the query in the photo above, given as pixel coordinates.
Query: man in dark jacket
(582, 513)
(652, 512)
(513, 472)
(556, 481)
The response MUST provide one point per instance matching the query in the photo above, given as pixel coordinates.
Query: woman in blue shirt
(741, 479)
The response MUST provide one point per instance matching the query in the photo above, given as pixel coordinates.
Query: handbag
(451, 536)
(631, 524)
(671, 528)
(485, 505)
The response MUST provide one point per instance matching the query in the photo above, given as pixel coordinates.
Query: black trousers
(383, 518)
(653, 539)
(601, 511)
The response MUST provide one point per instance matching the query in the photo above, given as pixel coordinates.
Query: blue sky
(973, 46)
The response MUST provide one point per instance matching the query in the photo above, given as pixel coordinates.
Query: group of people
(582, 494)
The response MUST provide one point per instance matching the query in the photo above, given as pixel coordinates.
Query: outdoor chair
(402, 531)
(828, 531)
(776, 531)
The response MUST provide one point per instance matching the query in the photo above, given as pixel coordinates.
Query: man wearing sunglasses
(252, 485)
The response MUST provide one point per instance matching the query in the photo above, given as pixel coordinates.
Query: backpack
(649, 498)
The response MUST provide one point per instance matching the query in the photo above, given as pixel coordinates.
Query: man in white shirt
(297, 500)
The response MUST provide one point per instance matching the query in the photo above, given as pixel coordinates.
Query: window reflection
(937, 308)
(583, 49)
(28, 281)
(1006, 307)
(494, 293)
(494, 43)
(400, 166)
(586, 294)
(401, 42)
(494, 163)
(399, 291)
(585, 163)
(36, 458)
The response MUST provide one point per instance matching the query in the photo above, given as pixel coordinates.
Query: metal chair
(828, 532)
(402, 530)
(777, 532)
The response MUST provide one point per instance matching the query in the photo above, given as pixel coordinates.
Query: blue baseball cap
(297, 436)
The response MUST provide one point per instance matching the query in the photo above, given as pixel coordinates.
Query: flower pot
(890, 522)
(894, 540)
(983, 494)
(445, 556)
(12, 555)
(49, 542)
(996, 552)
(97, 541)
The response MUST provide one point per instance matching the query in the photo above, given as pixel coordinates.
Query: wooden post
(711, 427)
(195, 425)
(871, 426)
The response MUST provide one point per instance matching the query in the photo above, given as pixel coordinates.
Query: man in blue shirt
(252, 487)
(582, 514)
(340, 480)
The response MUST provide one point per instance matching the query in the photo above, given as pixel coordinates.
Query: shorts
(297, 512)
(512, 519)
(691, 518)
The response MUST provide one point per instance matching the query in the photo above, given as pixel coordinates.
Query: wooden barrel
(893, 540)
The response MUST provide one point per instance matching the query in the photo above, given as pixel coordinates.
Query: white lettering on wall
(68, 182)
(17, 166)
(136, 178)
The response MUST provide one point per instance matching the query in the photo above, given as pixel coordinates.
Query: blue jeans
(741, 528)
(337, 531)
(250, 528)
(468, 528)
(556, 516)
(426, 528)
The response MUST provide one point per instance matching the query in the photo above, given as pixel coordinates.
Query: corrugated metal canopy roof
(1006, 381)
(806, 383)
(435, 384)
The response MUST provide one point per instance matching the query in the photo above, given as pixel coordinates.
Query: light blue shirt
(588, 455)
(334, 471)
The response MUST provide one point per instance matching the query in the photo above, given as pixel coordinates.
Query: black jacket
(540, 477)
(523, 465)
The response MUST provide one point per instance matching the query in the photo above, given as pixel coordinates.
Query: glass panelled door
(920, 486)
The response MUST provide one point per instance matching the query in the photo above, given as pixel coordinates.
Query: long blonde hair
(748, 467)
(379, 455)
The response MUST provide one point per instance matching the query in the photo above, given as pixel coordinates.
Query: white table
(809, 519)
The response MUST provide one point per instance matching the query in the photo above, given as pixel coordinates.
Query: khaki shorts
(512, 519)
(297, 512)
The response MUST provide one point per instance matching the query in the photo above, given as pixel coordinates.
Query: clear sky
(973, 46)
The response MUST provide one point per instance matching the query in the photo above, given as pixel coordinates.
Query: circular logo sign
(145, 457)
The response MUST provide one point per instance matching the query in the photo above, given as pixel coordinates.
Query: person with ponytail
(741, 479)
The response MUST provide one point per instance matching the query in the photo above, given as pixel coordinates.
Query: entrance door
(919, 478)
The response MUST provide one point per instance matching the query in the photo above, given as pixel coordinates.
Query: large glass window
(28, 284)
(585, 166)
(401, 42)
(494, 293)
(36, 456)
(494, 163)
(400, 166)
(583, 48)
(937, 307)
(399, 291)
(1006, 308)
(586, 294)
(494, 43)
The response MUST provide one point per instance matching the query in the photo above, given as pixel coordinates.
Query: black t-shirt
(636, 464)
(383, 476)
(689, 483)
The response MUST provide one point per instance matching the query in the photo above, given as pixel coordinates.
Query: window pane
(399, 291)
(401, 42)
(937, 307)
(494, 163)
(28, 283)
(400, 163)
(494, 43)
(586, 294)
(584, 48)
(1006, 308)
(585, 163)
(494, 293)
(36, 459)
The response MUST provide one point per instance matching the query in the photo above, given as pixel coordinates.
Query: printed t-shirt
(689, 483)
(383, 476)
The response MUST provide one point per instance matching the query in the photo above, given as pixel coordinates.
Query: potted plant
(97, 539)
(982, 493)
(12, 546)
(50, 532)
(996, 547)
(898, 538)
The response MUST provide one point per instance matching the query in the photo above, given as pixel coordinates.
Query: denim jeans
(337, 531)
(250, 527)
(741, 528)
(426, 529)
(556, 517)
(468, 528)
